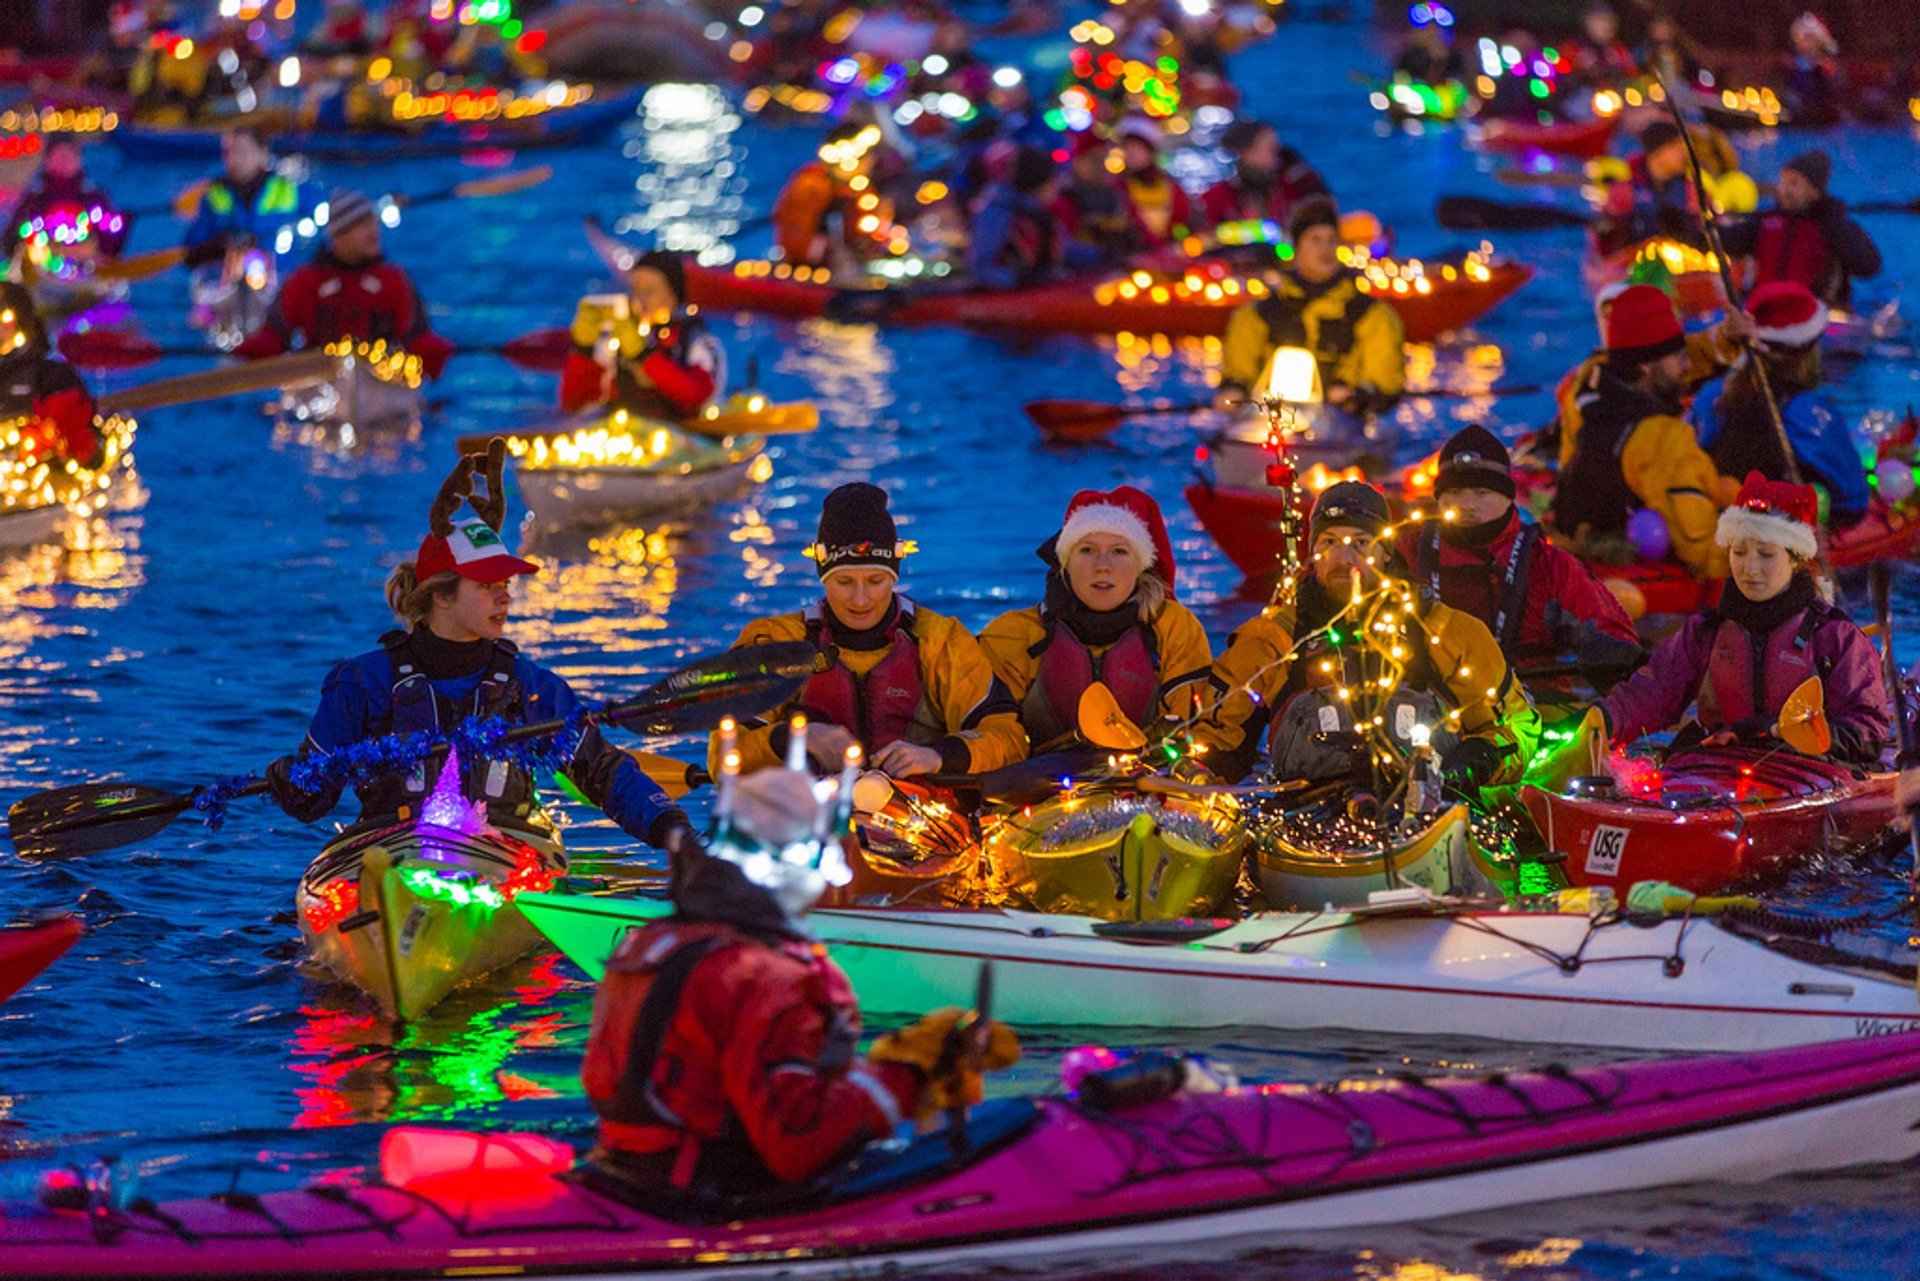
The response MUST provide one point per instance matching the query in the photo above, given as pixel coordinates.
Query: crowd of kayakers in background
(1425, 631)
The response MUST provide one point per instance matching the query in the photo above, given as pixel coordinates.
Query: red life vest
(1749, 676)
(882, 707)
(1791, 248)
(331, 301)
(1130, 667)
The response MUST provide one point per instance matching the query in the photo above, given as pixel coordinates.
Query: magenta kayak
(1045, 1178)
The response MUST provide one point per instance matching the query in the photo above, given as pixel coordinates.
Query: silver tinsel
(1107, 816)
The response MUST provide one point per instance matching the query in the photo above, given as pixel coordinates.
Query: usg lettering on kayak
(1863, 1028)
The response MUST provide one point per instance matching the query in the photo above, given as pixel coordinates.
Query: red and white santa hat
(1773, 511)
(1786, 314)
(473, 550)
(1126, 513)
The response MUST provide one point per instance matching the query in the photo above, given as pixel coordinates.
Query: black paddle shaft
(1880, 583)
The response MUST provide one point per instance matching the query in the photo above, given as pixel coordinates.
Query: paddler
(1161, 211)
(723, 1056)
(1301, 672)
(913, 688)
(1016, 239)
(1357, 340)
(1657, 198)
(38, 387)
(1090, 209)
(645, 351)
(830, 188)
(452, 661)
(248, 205)
(63, 212)
(1536, 599)
(1634, 450)
(1108, 614)
(349, 291)
(1815, 91)
(1774, 628)
(1734, 423)
(1268, 181)
(1807, 236)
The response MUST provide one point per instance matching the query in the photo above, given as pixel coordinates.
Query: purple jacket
(1736, 676)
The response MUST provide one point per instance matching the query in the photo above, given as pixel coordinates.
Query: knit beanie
(1474, 459)
(1643, 326)
(1815, 166)
(1314, 211)
(1657, 135)
(668, 265)
(347, 209)
(856, 529)
(1126, 513)
(1351, 504)
(1031, 169)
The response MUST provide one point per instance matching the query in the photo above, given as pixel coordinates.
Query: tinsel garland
(213, 799)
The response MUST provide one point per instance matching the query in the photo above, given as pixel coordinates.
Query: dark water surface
(185, 639)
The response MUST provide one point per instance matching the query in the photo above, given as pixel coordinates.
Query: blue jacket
(1017, 242)
(1822, 445)
(356, 703)
(226, 216)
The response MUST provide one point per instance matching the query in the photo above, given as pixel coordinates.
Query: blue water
(185, 639)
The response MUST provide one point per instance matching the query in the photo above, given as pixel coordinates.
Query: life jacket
(1130, 667)
(1029, 249)
(1494, 594)
(24, 383)
(1285, 318)
(1102, 214)
(1750, 675)
(277, 197)
(1155, 204)
(1789, 247)
(886, 705)
(1593, 490)
(1309, 735)
(415, 706)
(367, 303)
(676, 1111)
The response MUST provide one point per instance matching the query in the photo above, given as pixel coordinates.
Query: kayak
(1433, 300)
(1696, 286)
(410, 912)
(1853, 333)
(1582, 139)
(1708, 819)
(371, 388)
(1314, 855)
(25, 950)
(613, 468)
(590, 120)
(1423, 967)
(39, 497)
(1120, 855)
(1049, 1178)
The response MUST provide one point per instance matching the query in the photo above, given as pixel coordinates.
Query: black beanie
(1240, 135)
(856, 529)
(1815, 166)
(668, 265)
(1031, 169)
(1658, 134)
(1474, 459)
(1314, 211)
(1350, 503)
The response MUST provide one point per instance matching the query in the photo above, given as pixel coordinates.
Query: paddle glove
(1594, 648)
(936, 1047)
(1471, 764)
(306, 806)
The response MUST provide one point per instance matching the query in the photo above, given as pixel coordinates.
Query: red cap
(473, 550)
(1127, 513)
(1643, 325)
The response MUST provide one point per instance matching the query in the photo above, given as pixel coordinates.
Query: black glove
(306, 806)
(1752, 729)
(1589, 644)
(1470, 764)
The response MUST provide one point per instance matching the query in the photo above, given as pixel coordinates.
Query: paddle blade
(108, 349)
(140, 266)
(675, 778)
(70, 821)
(769, 419)
(544, 351)
(741, 682)
(1103, 724)
(1074, 420)
(277, 373)
(1803, 720)
(505, 184)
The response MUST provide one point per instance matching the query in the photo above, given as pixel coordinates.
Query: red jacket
(758, 1047)
(327, 300)
(1231, 200)
(51, 396)
(1475, 580)
(1182, 216)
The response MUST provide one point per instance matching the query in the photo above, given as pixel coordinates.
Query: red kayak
(1246, 523)
(1195, 304)
(1583, 139)
(25, 950)
(1708, 819)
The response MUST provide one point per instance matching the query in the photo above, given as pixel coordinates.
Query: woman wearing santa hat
(1734, 423)
(1737, 662)
(1108, 615)
(912, 687)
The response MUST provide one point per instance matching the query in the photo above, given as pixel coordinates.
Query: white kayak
(1419, 969)
(39, 497)
(616, 469)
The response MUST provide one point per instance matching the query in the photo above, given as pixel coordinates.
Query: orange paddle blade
(1803, 720)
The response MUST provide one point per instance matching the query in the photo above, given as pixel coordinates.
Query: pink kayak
(1045, 1178)
(25, 950)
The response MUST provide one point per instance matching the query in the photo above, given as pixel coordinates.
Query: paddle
(1089, 419)
(540, 351)
(276, 373)
(1476, 213)
(1886, 206)
(1102, 722)
(91, 817)
(1880, 586)
(675, 778)
(970, 1037)
(1802, 724)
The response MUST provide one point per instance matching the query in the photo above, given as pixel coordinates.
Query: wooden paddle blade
(1803, 720)
(544, 351)
(89, 818)
(140, 266)
(791, 419)
(1075, 419)
(676, 778)
(108, 349)
(505, 184)
(1103, 724)
(741, 682)
(187, 203)
(299, 369)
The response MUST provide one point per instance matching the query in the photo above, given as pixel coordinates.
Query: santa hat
(1125, 513)
(1786, 314)
(1643, 326)
(1773, 511)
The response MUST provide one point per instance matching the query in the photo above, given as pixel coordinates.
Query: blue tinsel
(213, 799)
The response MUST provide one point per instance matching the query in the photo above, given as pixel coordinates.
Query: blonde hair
(1151, 593)
(412, 600)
